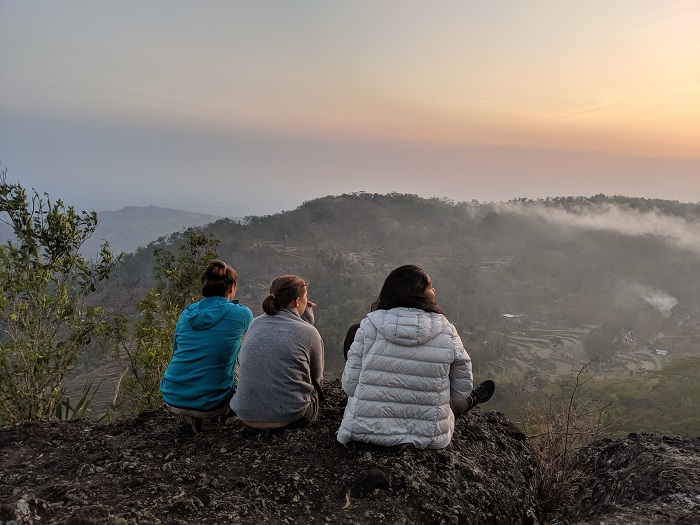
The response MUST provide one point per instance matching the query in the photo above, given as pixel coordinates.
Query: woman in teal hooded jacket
(199, 380)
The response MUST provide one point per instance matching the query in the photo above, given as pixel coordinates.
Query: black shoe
(482, 393)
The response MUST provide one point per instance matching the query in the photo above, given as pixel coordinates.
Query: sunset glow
(617, 78)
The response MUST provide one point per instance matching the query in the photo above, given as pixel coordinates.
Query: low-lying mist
(676, 230)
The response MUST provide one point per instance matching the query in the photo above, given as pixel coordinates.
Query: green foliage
(177, 274)
(661, 401)
(599, 344)
(81, 410)
(45, 322)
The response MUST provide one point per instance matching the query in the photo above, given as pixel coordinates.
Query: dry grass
(565, 422)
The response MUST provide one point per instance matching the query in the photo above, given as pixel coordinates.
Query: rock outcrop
(645, 478)
(152, 469)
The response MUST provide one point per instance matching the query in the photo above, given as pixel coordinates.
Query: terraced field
(565, 349)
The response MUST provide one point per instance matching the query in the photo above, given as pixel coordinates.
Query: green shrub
(45, 321)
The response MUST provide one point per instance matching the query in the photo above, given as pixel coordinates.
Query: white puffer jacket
(402, 369)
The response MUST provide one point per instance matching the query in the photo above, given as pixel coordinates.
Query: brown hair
(217, 279)
(283, 291)
(405, 286)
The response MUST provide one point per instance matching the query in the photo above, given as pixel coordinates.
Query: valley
(533, 301)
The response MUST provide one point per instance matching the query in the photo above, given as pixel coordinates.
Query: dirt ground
(152, 469)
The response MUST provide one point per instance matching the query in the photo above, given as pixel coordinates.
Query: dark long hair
(405, 287)
(283, 291)
(217, 279)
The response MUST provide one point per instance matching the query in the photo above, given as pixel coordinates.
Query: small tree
(45, 322)
(177, 275)
(600, 343)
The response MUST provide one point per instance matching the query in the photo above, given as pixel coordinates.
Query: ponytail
(269, 305)
(283, 291)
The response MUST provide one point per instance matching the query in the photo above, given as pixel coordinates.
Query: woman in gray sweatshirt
(281, 362)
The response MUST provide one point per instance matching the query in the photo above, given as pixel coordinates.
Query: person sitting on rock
(349, 338)
(199, 380)
(407, 374)
(281, 363)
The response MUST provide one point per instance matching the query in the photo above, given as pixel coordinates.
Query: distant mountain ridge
(137, 226)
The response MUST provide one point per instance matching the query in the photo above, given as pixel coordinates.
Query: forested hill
(627, 263)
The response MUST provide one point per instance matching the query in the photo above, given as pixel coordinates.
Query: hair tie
(273, 296)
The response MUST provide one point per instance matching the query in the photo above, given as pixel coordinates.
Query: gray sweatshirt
(281, 354)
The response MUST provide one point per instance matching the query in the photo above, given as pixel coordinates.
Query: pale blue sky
(238, 108)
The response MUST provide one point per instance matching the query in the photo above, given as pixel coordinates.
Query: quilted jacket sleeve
(461, 379)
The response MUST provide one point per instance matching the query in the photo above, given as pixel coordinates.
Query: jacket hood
(408, 326)
(207, 312)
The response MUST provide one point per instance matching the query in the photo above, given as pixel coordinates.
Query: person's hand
(308, 313)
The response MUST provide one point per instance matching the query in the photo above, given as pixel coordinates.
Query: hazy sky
(238, 108)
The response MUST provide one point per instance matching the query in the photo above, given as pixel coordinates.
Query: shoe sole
(491, 388)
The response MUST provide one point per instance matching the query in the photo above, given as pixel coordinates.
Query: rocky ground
(646, 478)
(152, 469)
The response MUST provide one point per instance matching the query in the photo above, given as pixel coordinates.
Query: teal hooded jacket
(208, 338)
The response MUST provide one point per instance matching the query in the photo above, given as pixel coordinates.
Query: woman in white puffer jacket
(407, 373)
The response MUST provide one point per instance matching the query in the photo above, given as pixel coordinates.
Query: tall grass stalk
(82, 409)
